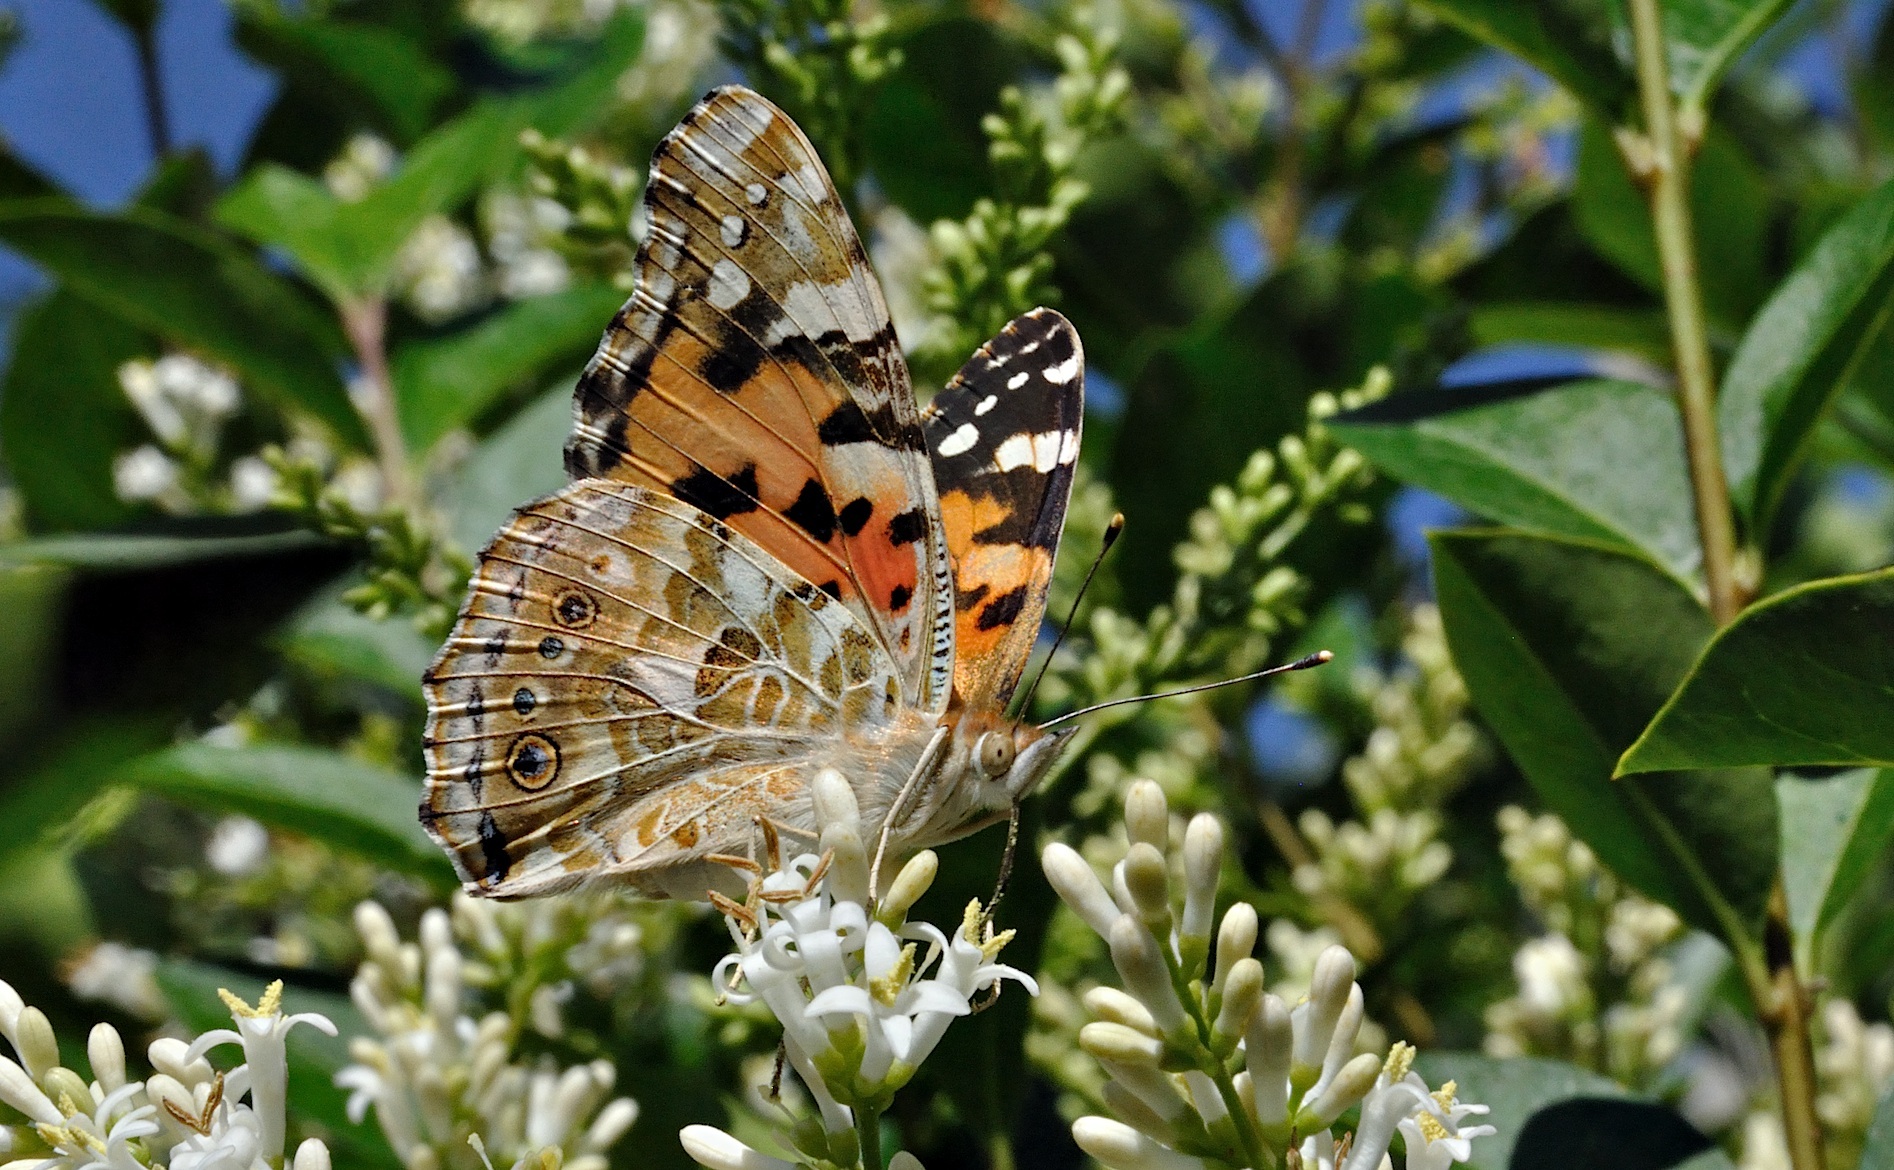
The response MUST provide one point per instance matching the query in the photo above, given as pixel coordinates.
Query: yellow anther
(1431, 1129)
(1444, 1094)
(66, 1106)
(889, 986)
(271, 1003)
(995, 943)
(970, 922)
(1400, 1060)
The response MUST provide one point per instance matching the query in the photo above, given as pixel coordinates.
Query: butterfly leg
(899, 808)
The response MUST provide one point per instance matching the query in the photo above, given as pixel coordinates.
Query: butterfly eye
(996, 753)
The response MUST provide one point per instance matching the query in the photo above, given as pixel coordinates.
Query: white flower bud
(105, 1052)
(905, 1161)
(1241, 993)
(611, 1123)
(1203, 861)
(11, 1005)
(171, 1056)
(1153, 1088)
(311, 1155)
(1268, 1045)
(709, 1146)
(908, 886)
(18, 1090)
(1350, 1085)
(379, 939)
(1341, 1045)
(35, 1042)
(1120, 1147)
(1328, 994)
(1148, 881)
(1236, 938)
(1079, 888)
(1128, 1108)
(1147, 815)
(61, 1082)
(1109, 1003)
(1121, 1044)
(1145, 976)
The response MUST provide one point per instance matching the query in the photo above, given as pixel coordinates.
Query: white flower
(1429, 1121)
(238, 846)
(252, 483)
(125, 977)
(263, 1031)
(1551, 974)
(365, 161)
(144, 473)
(439, 270)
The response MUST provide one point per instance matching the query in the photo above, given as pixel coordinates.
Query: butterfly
(769, 559)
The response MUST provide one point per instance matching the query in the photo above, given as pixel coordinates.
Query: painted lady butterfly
(769, 560)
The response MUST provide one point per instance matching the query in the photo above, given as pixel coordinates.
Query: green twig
(868, 1135)
(1666, 170)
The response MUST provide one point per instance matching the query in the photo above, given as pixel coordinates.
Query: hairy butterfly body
(769, 560)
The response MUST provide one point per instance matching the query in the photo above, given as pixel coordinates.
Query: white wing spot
(757, 194)
(734, 231)
(1065, 371)
(1042, 452)
(986, 404)
(728, 284)
(1017, 380)
(961, 441)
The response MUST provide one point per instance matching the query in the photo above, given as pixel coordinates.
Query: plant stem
(868, 1136)
(366, 323)
(1785, 1007)
(1669, 186)
(157, 116)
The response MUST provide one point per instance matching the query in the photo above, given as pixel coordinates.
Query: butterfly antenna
(1112, 532)
(1315, 659)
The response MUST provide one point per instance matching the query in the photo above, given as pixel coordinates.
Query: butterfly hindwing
(754, 374)
(1004, 439)
(630, 684)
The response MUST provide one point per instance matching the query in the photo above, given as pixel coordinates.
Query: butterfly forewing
(1004, 438)
(754, 375)
(630, 686)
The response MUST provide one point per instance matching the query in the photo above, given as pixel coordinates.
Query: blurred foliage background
(1345, 269)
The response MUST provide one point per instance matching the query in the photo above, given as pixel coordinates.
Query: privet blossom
(1218, 1071)
(863, 995)
(185, 1116)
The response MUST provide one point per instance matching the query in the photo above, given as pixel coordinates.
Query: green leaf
(1566, 648)
(1834, 828)
(130, 552)
(1638, 331)
(67, 766)
(1510, 455)
(32, 603)
(1514, 1090)
(377, 72)
(329, 638)
(314, 1057)
(1546, 36)
(1800, 678)
(520, 462)
(63, 417)
(1729, 204)
(186, 285)
(1802, 349)
(448, 382)
(323, 794)
(20, 181)
(1704, 38)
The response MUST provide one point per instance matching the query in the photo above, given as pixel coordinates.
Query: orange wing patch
(755, 375)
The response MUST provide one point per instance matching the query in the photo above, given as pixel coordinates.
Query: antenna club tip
(1116, 526)
(1321, 656)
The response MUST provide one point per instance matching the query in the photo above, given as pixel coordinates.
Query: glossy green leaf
(1799, 678)
(68, 765)
(1729, 204)
(1567, 647)
(447, 382)
(105, 552)
(18, 180)
(1704, 38)
(1834, 828)
(330, 639)
(193, 289)
(1509, 455)
(1637, 331)
(324, 794)
(191, 988)
(1547, 36)
(521, 461)
(1514, 1090)
(379, 73)
(1802, 349)
(63, 417)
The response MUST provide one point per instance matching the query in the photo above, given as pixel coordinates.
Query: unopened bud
(1350, 1085)
(311, 1155)
(1119, 1147)
(1147, 815)
(35, 1042)
(1148, 881)
(1236, 939)
(1341, 1045)
(1079, 888)
(913, 881)
(1123, 1045)
(1134, 952)
(105, 1052)
(1203, 863)
(1241, 993)
(711, 1147)
(1109, 1003)
(1267, 1048)
(1328, 993)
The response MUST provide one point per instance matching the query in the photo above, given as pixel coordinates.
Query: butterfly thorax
(986, 764)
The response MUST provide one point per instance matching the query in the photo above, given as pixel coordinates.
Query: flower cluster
(186, 402)
(439, 1078)
(860, 1004)
(1217, 1071)
(1854, 1067)
(1623, 1019)
(186, 1116)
